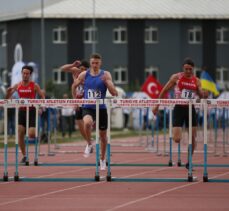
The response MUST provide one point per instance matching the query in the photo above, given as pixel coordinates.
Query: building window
(197, 72)
(151, 35)
(222, 35)
(195, 35)
(60, 35)
(3, 34)
(120, 35)
(152, 71)
(120, 75)
(59, 77)
(222, 77)
(90, 35)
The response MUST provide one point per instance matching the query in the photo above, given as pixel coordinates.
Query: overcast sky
(12, 6)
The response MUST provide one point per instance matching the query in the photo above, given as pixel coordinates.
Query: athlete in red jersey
(186, 86)
(26, 90)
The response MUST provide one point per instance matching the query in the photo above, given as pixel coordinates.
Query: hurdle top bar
(116, 102)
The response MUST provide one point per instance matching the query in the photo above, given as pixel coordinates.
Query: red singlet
(26, 92)
(185, 88)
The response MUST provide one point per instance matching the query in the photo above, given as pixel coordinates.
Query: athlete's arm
(38, 90)
(77, 82)
(168, 86)
(107, 79)
(202, 93)
(10, 91)
(72, 68)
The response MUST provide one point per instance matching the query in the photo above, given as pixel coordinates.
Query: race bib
(187, 94)
(94, 94)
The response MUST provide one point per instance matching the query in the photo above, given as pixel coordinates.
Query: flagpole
(94, 28)
(42, 45)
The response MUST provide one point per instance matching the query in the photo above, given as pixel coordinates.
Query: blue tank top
(94, 88)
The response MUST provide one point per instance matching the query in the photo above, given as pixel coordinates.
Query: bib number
(187, 94)
(94, 94)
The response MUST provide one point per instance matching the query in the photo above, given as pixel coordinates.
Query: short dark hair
(84, 63)
(96, 56)
(188, 61)
(30, 68)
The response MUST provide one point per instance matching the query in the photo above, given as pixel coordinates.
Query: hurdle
(148, 103)
(37, 103)
(96, 178)
(110, 103)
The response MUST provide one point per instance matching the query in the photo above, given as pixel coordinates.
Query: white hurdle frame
(117, 103)
(5, 174)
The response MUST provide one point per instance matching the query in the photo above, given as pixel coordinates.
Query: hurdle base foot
(16, 178)
(109, 179)
(170, 163)
(179, 163)
(97, 178)
(190, 179)
(205, 178)
(5, 178)
(35, 163)
(27, 163)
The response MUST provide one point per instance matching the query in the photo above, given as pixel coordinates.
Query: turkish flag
(152, 87)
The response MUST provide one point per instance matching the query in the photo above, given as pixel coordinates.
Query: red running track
(104, 196)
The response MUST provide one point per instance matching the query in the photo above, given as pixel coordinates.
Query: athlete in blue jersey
(96, 82)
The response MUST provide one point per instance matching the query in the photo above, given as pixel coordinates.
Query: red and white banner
(117, 102)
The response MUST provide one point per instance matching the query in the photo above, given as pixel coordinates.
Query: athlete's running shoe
(88, 150)
(103, 165)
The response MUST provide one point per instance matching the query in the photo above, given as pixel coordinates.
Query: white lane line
(159, 194)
